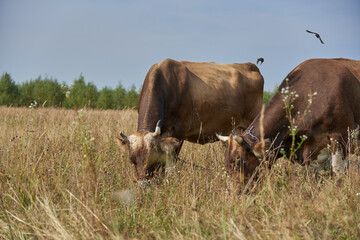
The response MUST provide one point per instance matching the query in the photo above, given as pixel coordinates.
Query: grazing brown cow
(334, 110)
(190, 101)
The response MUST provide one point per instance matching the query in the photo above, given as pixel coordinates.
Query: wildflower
(304, 136)
(296, 95)
(315, 93)
(33, 104)
(358, 194)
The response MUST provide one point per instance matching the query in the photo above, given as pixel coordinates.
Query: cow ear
(170, 144)
(123, 143)
(257, 147)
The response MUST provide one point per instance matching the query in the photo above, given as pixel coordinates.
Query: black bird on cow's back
(260, 60)
(316, 35)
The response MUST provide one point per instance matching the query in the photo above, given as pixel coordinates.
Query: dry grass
(63, 177)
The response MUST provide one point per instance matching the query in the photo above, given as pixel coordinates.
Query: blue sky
(111, 41)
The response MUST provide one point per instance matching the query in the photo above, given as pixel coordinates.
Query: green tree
(26, 93)
(81, 94)
(132, 98)
(105, 99)
(9, 92)
(47, 92)
(119, 97)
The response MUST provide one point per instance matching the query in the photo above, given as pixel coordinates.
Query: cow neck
(150, 112)
(274, 122)
(151, 102)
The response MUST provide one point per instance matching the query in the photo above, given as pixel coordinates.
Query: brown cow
(334, 109)
(190, 101)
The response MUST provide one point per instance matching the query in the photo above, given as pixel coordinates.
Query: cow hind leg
(337, 156)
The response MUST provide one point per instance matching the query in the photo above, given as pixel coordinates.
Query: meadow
(63, 177)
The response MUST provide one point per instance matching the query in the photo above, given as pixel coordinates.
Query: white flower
(297, 95)
(315, 93)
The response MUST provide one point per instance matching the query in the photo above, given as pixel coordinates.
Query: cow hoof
(144, 183)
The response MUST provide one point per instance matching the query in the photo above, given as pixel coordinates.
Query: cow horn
(123, 136)
(222, 138)
(157, 129)
(238, 139)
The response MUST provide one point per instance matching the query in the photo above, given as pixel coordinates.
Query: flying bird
(316, 35)
(260, 60)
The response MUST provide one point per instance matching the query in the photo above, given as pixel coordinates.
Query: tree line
(48, 92)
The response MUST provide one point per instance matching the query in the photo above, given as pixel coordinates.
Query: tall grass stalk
(50, 190)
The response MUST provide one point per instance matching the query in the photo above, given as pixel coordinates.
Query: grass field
(63, 177)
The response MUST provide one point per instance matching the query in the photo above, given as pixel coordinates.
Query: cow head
(240, 156)
(149, 152)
